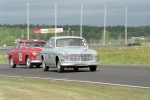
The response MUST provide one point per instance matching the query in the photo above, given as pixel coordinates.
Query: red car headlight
(34, 53)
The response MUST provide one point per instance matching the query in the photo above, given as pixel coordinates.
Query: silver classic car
(68, 52)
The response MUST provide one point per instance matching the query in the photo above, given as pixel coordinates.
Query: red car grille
(38, 56)
(77, 57)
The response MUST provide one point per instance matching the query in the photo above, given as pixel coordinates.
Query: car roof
(61, 37)
(32, 40)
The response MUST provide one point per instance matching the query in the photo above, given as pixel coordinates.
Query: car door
(21, 53)
(50, 54)
(15, 53)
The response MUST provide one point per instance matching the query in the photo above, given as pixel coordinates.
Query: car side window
(53, 42)
(21, 46)
(50, 42)
(16, 46)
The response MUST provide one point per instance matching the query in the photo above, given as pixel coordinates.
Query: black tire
(59, 68)
(28, 63)
(45, 68)
(76, 69)
(11, 62)
(93, 68)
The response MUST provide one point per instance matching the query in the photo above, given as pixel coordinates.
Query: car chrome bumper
(36, 61)
(79, 63)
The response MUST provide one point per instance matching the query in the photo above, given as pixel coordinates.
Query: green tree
(9, 41)
(107, 36)
(120, 37)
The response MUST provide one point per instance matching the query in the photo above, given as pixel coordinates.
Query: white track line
(141, 87)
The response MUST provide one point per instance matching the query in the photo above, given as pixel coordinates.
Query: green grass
(136, 56)
(3, 59)
(40, 89)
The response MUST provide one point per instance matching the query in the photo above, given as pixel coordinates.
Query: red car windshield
(35, 44)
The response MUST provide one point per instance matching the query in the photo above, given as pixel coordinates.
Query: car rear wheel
(93, 68)
(11, 62)
(28, 63)
(59, 67)
(45, 68)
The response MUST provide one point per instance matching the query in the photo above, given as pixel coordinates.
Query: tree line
(8, 33)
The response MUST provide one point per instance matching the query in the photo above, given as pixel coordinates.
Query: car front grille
(73, 57)
(87, 57)
(77, 57)
(38, 56)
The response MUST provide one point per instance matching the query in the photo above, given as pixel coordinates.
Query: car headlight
(65, 54)
(34, 53)
(95, 53)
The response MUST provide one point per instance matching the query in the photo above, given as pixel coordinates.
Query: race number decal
(20, 56)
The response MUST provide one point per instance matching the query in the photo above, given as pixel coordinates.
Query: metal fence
(91, 43)
(100, 42)
(5, 49)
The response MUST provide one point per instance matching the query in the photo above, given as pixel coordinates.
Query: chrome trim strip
(36, 61)
(79, 63)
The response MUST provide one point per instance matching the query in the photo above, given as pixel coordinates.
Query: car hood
(76, 50)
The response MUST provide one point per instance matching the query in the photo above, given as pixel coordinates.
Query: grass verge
(3, 59)
(136, 56)
(40, 89)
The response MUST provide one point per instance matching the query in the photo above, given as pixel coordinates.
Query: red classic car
(26, 52)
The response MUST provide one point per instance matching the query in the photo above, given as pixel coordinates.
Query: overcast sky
(69, 12)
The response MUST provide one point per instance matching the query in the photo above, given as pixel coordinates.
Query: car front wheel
(28, 63)
(59, 67)
(11, 62)
(45, 68)
(93, 68)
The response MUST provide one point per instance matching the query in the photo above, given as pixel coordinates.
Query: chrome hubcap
(11, 62)
(28, 62)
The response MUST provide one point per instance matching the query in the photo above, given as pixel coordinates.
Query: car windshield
(70, 42)
(35, 44)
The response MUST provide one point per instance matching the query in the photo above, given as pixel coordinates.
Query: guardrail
(5, 49)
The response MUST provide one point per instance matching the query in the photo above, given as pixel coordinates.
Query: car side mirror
(48, 46)
(84, 43)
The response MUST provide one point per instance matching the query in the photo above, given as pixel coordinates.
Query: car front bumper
(36, 61)
(79, 64)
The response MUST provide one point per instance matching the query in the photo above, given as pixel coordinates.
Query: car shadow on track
(25, 67)
(70, 71)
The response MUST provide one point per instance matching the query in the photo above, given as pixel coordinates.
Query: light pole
(126, 25)
(72, 33)
(104, 26)
(22, 36)
(28, 20)
(68, 31)
(81, 21)
(55, 19)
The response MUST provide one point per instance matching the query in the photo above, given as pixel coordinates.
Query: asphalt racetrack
(130, 76)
